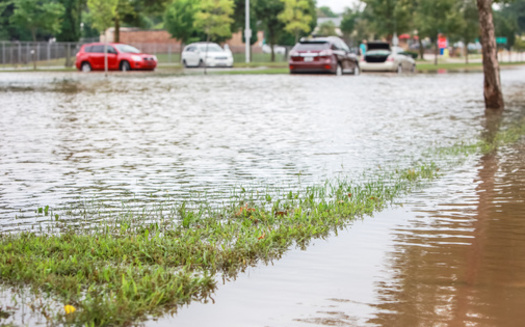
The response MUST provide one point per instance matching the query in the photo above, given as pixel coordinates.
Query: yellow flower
(69, 309)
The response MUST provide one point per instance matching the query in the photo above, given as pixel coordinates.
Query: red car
(120, 57)
(323, 54)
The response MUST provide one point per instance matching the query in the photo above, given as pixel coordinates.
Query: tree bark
(492, 83)
(116, 35)
(421, 49)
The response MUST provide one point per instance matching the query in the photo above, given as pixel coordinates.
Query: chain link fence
(54, 55)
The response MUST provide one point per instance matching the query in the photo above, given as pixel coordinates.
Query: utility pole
(247, 31)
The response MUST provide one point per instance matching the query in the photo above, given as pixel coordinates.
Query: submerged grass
(130, 268)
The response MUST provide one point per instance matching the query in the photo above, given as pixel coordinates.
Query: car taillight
(294, 53)
(362, 58)
(390, 58)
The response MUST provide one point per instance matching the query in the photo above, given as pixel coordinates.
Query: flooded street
(452, 254)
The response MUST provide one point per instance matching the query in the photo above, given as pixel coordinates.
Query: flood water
(451, 255)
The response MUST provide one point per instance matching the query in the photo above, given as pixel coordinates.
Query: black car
(323, 54)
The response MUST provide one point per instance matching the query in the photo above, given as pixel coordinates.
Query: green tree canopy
(102, 13)
(268, 11)
(326, 12)
(37, 15)
(327, 29)
(70, 27)
(213, 18)
(179, 19)
(296, 18)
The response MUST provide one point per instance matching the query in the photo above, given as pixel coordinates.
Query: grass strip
(130, 268)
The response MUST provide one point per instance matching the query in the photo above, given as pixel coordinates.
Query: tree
(103, 12)
(326, 12)
(469, 24)
(268, 10)
(239, 18)
(70, 27)
(327, 29)
(492, 83)
(37, 15)
(389, 16)
(432, 18)
(179, 19)
(295, 17)
(213, 17)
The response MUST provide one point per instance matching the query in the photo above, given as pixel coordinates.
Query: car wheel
(357, 71)
(86, 67)
(184, 63)
(413, 69)
(124, 66)
(201, 63)
(399, 69)
(339, 70)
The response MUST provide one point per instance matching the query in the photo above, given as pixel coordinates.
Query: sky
(337, 6)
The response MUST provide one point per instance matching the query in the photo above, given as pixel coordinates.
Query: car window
(334, 47)
(112, 50)
(97, 48)
(312, 46)
(127, 48)
(211, 48)
(190, 49)
(89, 48)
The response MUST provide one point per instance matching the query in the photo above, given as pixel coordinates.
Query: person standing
(362, 47)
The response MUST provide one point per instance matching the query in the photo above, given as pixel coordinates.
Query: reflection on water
(453, 255)
(72, 137)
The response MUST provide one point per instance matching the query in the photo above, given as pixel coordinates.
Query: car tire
(339, 70)
(357, 70)
(184, 63)
(86, 67)
(413, 69)
(399, 69)
(201, 63)
(124, 66)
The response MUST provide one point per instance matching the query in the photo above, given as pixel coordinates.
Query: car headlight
(136, 58)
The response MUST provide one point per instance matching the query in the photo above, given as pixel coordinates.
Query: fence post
(169, 53)
(3, 53)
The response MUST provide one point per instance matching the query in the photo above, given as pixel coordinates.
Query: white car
(380, 57)
(206, 53)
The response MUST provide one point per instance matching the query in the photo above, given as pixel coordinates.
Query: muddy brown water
(451, 255)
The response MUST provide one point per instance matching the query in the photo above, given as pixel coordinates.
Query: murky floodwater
(451, 256)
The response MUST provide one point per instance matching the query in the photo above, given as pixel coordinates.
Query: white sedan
(206, 53)
(380, 57)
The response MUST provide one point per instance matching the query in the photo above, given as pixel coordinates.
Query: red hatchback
(120, 57)
(323, 54)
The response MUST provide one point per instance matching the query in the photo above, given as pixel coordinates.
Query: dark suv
(323, 54)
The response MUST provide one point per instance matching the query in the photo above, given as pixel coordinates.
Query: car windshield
(312, 46)
(211, 48)
(378, 52)
(126, 48)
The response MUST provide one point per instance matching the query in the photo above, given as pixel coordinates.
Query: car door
(190, 55)
(96, 57)
(112, 58)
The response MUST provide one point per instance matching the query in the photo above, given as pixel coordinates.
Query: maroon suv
(323, 54)
(120, 57)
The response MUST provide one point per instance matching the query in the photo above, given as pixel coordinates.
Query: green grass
(136, 265)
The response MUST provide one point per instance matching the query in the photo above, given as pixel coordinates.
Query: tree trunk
(466, 52)
(421, 49)
(116, 35)
(492, 82)
(436, 52)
